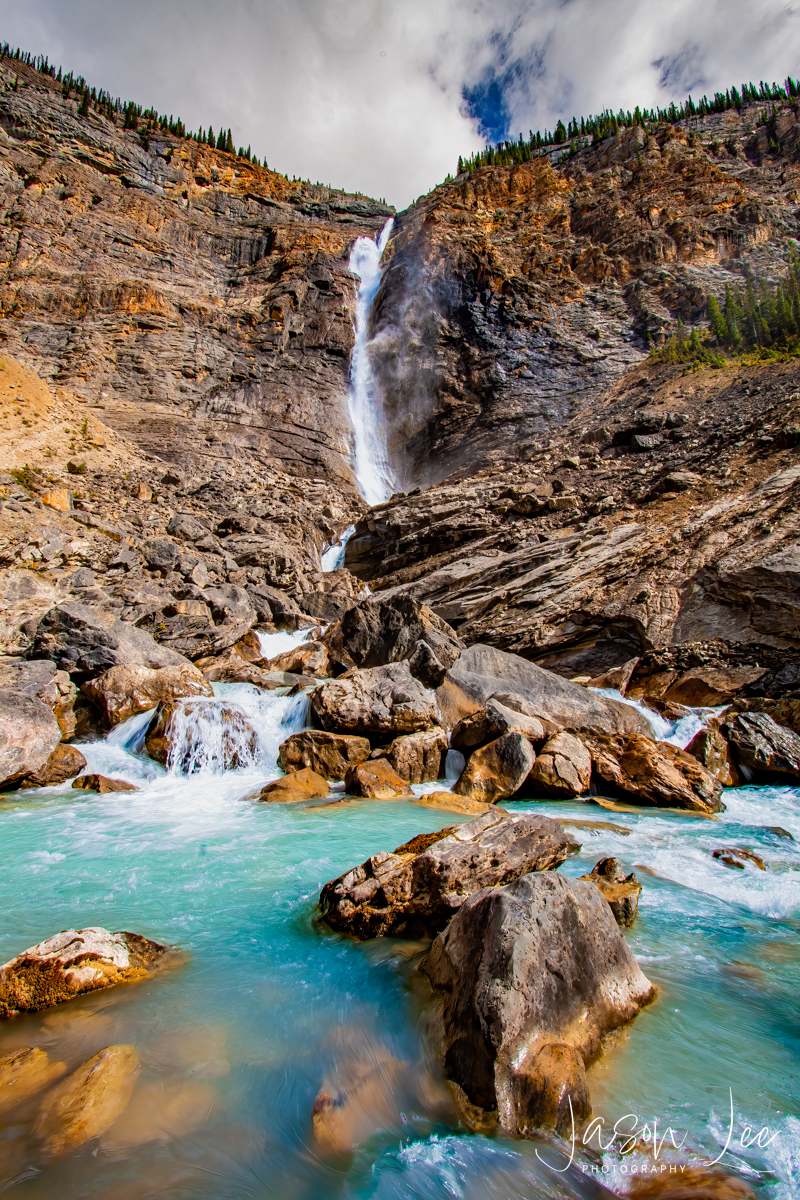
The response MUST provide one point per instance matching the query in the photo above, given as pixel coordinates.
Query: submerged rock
(88, 1101)
(304, 784)
(737, 856)
(563, 767)
(417, 757)
(620, 890)
(539, 962)
(482, 672)
(498, 770)
(760, 744)
(449, 802)
(656, 773)
(379, 700)
(380, 631)
(355, 1101)
(376, 780)
(329, 754)
(63, 763)
(691, 1183)
(102, 784)
(124, 691)
(415, 891)
(25, 1072)
(29, 734)
(72, 963)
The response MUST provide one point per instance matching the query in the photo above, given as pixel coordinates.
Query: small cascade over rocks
(370, 453)
(333, 558)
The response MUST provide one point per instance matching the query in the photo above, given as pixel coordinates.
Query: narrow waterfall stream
(370, 452)
(269, 1008)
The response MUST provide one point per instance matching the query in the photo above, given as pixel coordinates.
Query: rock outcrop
(29, 734)
(416, 890)
(380, 700)
(304, 784)
(126, 690)
(378, 631)
(563, 768)
(376, 780)
(87, 641)
(65, 762)
(535, 964)
(760, 745)
(72, 963)
(620, 890)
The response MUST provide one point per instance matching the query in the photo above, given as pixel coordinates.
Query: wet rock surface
(88, 1101)
(655, 773)
(304, 784)
(376, 780)
(416, 890)
(539, 962)
(65, 762)
(102, 784)
(73, 962)
(761, 745)
(620, 890)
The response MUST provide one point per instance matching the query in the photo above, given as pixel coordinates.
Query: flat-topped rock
(123, 691)
(72, 963)
(415, 890)
(329, 754)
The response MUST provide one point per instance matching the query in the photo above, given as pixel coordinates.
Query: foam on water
(273, 644)
(677, 733)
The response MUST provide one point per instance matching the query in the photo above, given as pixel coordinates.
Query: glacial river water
(268, 1008)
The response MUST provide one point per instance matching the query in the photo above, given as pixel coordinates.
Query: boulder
(495, 719)
(759, 744)
(549, 1090)
(309, 658)
(25, 1072)
(102, 784)
(711, 686)
(737, 856)
(88, 1101)
(124, 691)
(72, 963)
(297, 785)
(160, 554)
(25, 596)
(712, 751)
(785, 711)
(539, 962)
(690, 1183)
(498, 770)
(230, 667)
(329, 754)
(41, 677)
(189, 731)
(65, 762)
(86, 641)
(563, 767)
(375, 780)
(379, 631)
(380, 700)
(414, 891)
(29, 734)
(483, 671)
(417, 757)
(649, 772)
(620, 890)
(617, 678)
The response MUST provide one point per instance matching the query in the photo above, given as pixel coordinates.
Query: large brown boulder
(380, 700)
(102, 784)
(376, 780)
(296, 786)
(233, 742)
(86, 641)
(710, 686)
(498, 770)
(418, 757)
(309, 658)
(385, 630)
(415, 890)
(124, 691)
(329, 754)
(649, 772)
(539, 962)
(759, 744)
(29, 734)
(483, 671)
(87, 1102)
(563, 768)
(41, 678)
(491, 722)
(64, 763)
(72, 963)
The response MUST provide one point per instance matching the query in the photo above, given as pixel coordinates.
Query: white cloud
(367, 94)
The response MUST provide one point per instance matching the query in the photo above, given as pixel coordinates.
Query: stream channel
(269, 1007)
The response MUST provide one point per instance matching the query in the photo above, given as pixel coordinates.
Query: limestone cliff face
(205, 304)
(514, 298)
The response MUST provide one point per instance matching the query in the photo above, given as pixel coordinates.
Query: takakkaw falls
(400, 654)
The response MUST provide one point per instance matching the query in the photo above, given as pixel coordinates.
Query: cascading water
(370, 452)
(333, 558)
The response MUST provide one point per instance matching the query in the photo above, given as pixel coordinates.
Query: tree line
(607, 123)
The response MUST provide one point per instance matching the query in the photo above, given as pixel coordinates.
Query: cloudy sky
(382, 96)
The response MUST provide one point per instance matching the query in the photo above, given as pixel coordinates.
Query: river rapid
(269, 1007)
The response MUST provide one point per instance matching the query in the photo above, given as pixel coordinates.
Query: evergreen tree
(83, 111)
(560, 135)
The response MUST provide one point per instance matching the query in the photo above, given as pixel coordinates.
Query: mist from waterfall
(374, 475)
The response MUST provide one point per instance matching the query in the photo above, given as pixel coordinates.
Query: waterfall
(373, 472)
(333, 558)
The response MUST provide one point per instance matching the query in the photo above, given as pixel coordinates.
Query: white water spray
(373, 473)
